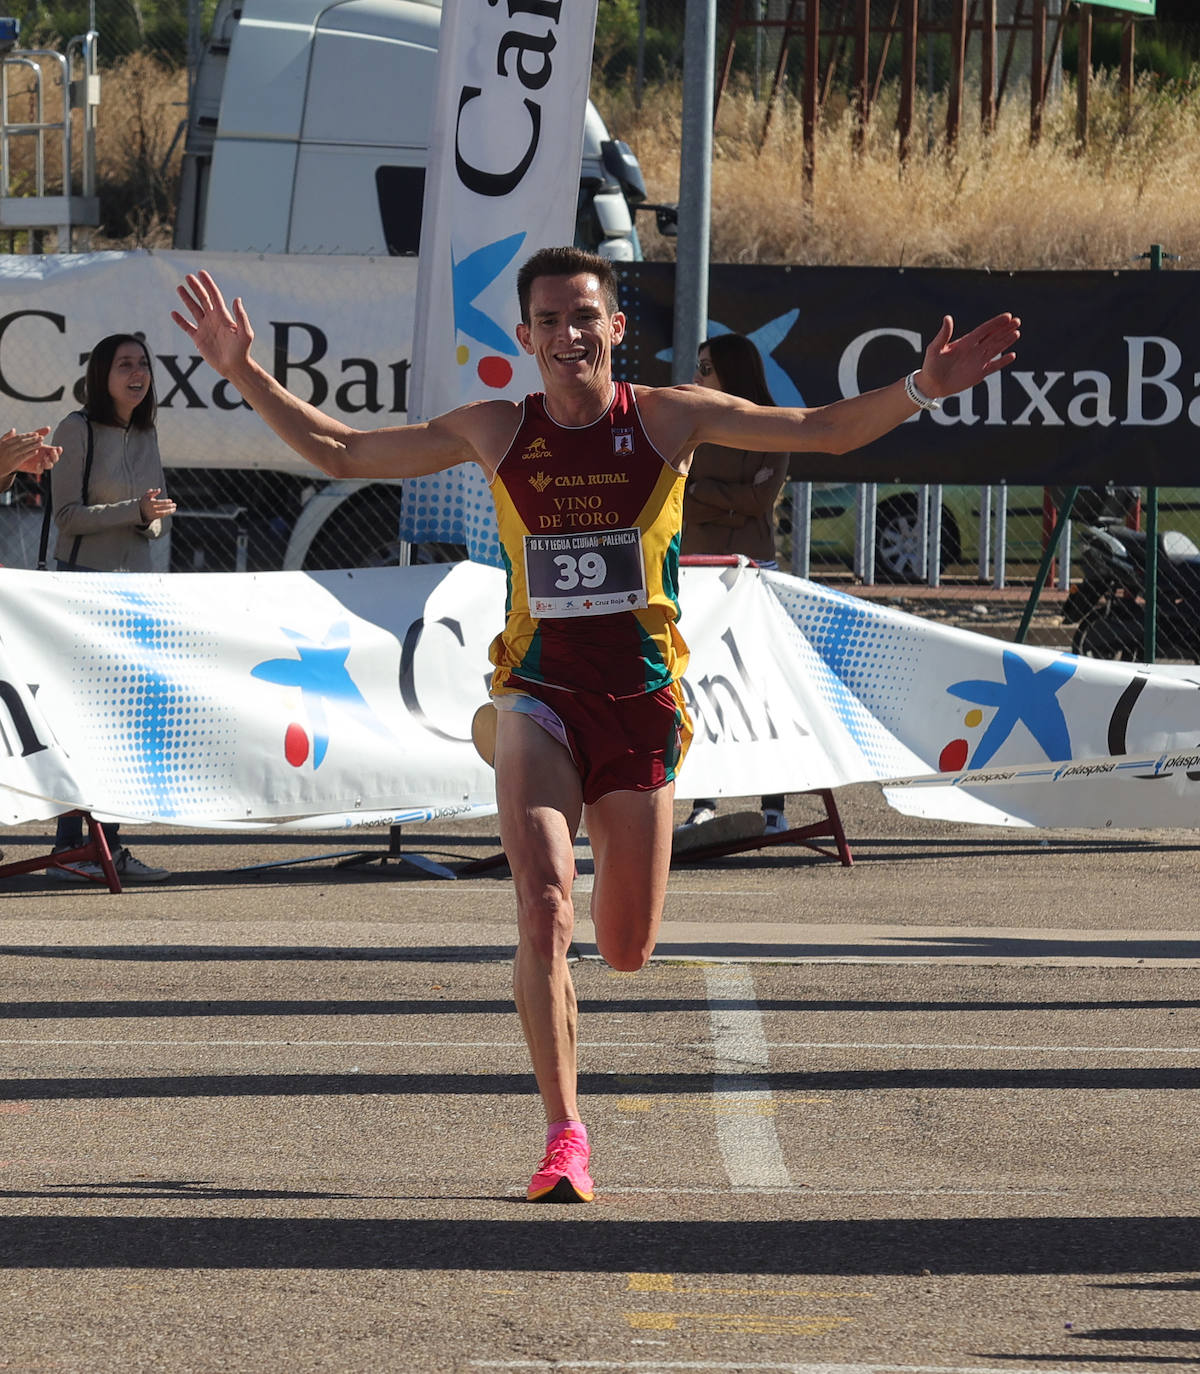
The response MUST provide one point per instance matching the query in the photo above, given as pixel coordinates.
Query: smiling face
(571, 334)
(128, 379)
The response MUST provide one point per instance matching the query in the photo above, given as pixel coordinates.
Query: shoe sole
(730, 828)
(563, 1191)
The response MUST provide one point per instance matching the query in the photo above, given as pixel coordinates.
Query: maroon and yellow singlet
(589, 520)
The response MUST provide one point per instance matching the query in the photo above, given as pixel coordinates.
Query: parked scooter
(1109, 607)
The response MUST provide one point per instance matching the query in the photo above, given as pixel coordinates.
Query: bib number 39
(585, 574)
(588, 571)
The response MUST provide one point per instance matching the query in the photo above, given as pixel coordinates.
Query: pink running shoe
(562, 1176)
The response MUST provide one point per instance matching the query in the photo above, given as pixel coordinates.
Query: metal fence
(1096, 563)
(1098, 548)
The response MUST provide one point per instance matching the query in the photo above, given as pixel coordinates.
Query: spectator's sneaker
(78, 872)
(701, 815)
(562, 1176)
(131, 870)
(774, 823)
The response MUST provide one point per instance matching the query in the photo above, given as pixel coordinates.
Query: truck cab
(308, 132)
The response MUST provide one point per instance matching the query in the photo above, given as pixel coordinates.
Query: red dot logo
(953, 756)
(295, 744)
(495, 372)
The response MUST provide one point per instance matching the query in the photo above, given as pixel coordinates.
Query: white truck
(308, 130)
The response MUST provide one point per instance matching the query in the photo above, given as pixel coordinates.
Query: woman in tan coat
(729, 500)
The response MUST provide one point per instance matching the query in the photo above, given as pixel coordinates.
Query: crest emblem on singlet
(540, 481)
(622, 441)
(539, 448)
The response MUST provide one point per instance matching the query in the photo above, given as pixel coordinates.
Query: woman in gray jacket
(109, 507)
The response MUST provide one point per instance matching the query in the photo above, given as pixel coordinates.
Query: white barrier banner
(505, 147)
(346, 698)
(336, 330)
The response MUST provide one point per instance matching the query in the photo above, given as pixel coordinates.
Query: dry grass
(137, 163)
(137, 153)
(996, 203)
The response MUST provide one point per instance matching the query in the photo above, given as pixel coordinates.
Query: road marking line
(748, 1141)
(645, 1282)
(736, 1323)
(703, 1102)
(763, 1103)
(503, 888)
(745, 1366)
(984, 1049)
(296, 1044)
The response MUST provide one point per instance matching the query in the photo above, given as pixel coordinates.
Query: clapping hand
(154, 505)
(27, 452)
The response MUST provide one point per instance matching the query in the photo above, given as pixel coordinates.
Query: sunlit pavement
(936, 1111)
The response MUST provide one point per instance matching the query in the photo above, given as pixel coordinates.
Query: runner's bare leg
(630, 835)
(540, 800)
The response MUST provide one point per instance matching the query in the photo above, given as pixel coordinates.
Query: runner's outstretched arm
(690, 415)
(223, 338)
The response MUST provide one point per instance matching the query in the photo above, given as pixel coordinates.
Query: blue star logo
(320, 674)
(472, 276)
(766, 338)
(1024, 697)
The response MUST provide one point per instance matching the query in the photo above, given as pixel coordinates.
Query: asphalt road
(937, 1111)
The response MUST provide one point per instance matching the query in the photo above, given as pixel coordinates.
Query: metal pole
(870, 511)
(193, 46)
(801, 528)
(985, 532)
(1000, 538)
(933, 535)
(1150, 627)
(695, 187)
(1151, 622)
(640, 70)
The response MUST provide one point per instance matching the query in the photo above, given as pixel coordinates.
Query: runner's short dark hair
(566, 262)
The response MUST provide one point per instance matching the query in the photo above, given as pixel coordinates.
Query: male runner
(588, 663)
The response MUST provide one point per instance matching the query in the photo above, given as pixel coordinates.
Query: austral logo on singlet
(538, 449)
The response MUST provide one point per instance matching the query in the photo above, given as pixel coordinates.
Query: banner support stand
(94, 851)
(828, 829)
(355, 858)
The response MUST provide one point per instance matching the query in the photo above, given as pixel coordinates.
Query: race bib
(585, 574)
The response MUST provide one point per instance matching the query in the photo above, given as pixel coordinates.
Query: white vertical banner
(502, 181)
